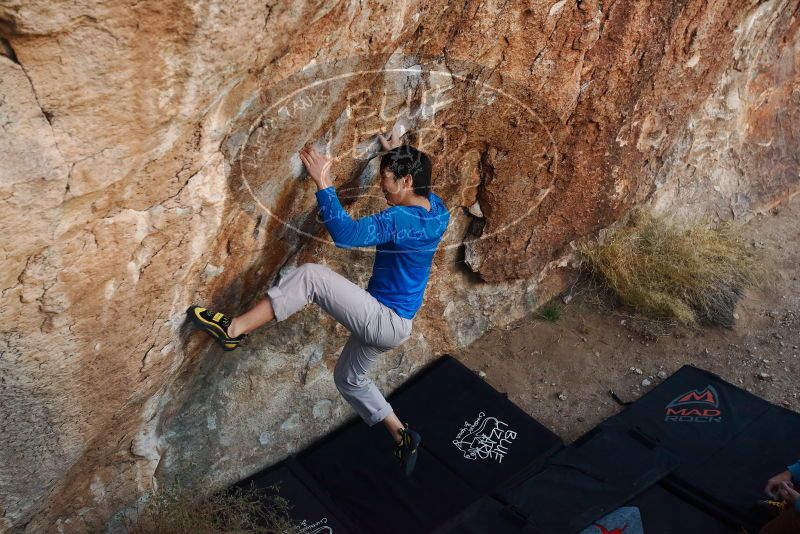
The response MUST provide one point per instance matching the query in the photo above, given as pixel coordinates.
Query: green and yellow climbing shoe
(406, 450)
(216, 324)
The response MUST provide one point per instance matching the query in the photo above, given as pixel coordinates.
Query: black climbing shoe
(406, 450)
(216, 324)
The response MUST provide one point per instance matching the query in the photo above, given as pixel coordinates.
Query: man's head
(405, 171)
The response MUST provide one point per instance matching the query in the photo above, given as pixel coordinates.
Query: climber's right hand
(317, 165)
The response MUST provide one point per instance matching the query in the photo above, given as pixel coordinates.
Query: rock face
(149, 161)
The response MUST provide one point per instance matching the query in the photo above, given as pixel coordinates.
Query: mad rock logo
(697, 406)
(486, 437)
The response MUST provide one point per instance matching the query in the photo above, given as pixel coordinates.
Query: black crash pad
(487, 516)
(589, 479)
(473, 440)
(692, 455)
(730, 442)
(306, 508)
(693, 413)
(361, 475)
(470, 427)
(733, 480)
(657, 511)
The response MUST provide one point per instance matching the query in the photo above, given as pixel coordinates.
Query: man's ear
(409, 180)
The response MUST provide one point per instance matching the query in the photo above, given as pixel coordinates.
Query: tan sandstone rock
(148, 162)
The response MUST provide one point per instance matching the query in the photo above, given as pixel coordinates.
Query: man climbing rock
(405, 236)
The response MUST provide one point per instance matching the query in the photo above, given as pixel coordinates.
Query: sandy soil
(560, 372)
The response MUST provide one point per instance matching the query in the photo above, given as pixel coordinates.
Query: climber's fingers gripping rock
(318, 165)
(393, 140)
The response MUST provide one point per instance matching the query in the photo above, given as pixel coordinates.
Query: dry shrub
(179, 510)
(694, 275)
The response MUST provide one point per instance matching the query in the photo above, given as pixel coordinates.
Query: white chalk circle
(282, 116)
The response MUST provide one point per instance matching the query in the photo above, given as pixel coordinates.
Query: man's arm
(346, 233)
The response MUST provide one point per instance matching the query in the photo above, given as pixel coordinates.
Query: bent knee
(401, 341)
(396, 342)
(347, 381)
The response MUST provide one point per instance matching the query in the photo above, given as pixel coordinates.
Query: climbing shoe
(216, 324)
(406, 450)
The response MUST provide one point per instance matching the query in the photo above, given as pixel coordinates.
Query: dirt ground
(561, 371)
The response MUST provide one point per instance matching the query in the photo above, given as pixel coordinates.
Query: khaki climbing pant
(374, 329)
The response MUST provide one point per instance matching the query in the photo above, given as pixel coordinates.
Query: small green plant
(551, 311)
(693, 275)
(180, 510)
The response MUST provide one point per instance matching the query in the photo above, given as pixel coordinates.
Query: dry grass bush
(693, 275)
(589, 290)
(180, 510)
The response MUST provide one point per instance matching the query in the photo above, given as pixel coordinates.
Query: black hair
(406, 159)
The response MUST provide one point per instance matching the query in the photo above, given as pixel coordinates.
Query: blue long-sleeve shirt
(794, 469)
(405, 240)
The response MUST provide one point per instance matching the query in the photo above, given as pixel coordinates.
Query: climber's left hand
(318, 166)
(393, 140)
